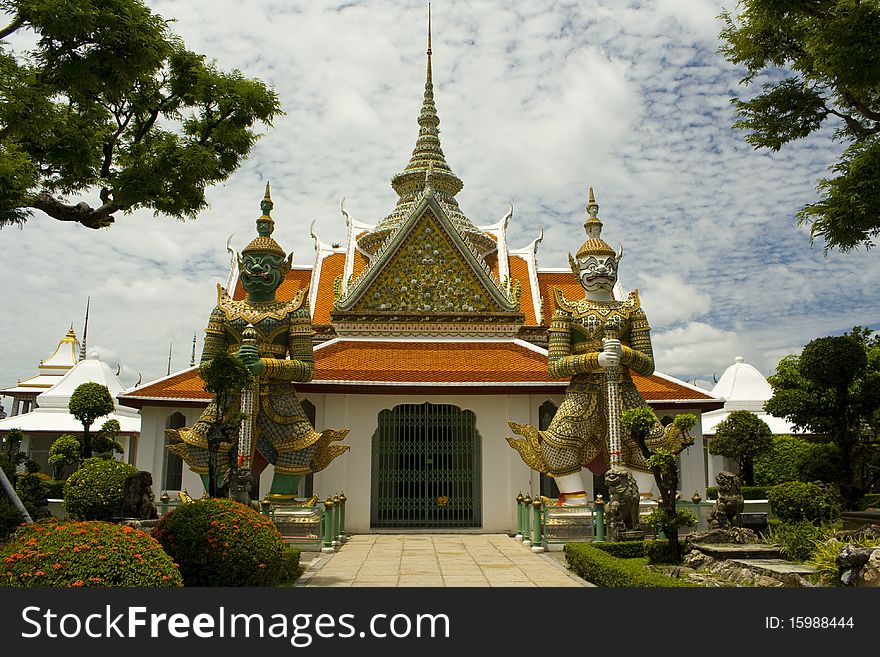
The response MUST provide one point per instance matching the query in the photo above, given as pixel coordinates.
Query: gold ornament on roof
(263, 243)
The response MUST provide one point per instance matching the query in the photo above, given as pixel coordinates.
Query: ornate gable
(426, 272)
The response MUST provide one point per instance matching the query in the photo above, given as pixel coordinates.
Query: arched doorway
(426, 468)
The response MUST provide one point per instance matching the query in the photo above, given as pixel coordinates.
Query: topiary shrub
(219, 542)
(796, 500)
(92, 553)
(94, 492)
(34, 494)
(603, 569)
(10, 518)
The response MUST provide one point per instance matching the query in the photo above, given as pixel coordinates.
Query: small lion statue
(729, 503)
(239, 484)
(622, 510)
(137, 497)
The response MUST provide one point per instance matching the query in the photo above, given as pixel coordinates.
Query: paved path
(383, 560)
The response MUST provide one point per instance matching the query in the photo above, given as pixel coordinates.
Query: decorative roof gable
(427, 272)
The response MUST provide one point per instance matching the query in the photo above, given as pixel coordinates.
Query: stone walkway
(383, 560)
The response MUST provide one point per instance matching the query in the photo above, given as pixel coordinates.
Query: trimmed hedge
(797, 500)
(94, 492)
(622, 549)
(91, 553)
(657, 551)
(603, 569)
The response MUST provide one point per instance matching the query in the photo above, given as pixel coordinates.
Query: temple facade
(430, 336)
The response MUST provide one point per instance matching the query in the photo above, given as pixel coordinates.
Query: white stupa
(743, 388)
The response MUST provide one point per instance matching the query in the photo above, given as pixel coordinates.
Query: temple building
(50, 370)
(743, 388)
(49, 418)
(430, 336)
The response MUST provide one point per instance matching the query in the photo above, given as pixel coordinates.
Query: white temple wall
(503, 472)
(503, 475)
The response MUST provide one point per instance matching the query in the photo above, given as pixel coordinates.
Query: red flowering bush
(219, 542)
(91, 553)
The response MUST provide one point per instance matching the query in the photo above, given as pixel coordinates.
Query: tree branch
(16, 23)
(81, 213)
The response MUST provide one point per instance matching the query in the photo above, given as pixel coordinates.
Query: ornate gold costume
(279, 431)
(579, 435)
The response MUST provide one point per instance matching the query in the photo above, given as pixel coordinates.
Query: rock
(738, 535)
(870, 575)
(853, 557)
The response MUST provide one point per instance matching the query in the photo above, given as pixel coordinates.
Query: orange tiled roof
(396, 362)
(183, 385)
(295, 280)
(565, 281)
(429, 362)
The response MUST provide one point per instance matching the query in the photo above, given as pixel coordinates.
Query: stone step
(739, 550)
(775, 566)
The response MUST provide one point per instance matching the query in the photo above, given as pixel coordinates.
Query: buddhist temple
(430, 334)
(51, 369)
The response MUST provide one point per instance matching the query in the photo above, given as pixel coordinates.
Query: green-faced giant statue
(273, 339)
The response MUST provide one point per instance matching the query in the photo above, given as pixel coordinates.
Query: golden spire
(429, 78)
(410, 183)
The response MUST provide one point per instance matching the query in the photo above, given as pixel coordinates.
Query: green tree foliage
(105, 442)
(111, 100)
(794, 459)
(87, 403)
(833, 389)
(823, 63)
(66, 450)
(662, 461)
(226, 376)
(742, 435)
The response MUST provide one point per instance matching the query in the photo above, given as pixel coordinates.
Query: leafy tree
(824, 65)
(105, 441)
(742, 435)
(792, 458)
(87, 403)
(66, 450)
(110, 100)
(662, 461)
(833, 389)
(226, 376)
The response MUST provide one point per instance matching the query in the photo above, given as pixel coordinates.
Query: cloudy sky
(537, 101)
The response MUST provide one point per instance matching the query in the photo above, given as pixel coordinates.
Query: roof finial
(192, 360)
(592, 206)
(170, 347)
(82, 349)
(267, 205)
(430, 77)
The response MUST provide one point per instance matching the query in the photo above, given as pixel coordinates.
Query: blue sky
(537, 102)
